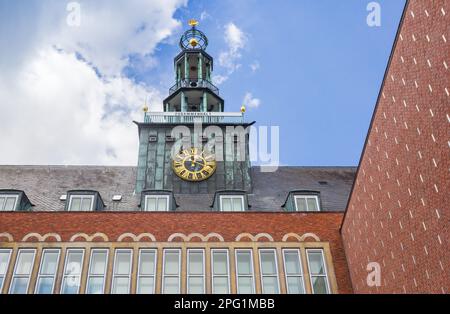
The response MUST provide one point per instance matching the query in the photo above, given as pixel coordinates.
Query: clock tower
(215, 151)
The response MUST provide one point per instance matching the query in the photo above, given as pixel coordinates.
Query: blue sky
(317, 71)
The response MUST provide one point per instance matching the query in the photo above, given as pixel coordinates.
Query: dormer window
(8, 202)
(81, 203)
(303, 201)
(14, 200)
(156, 203)
(232, 203)
(84, 201)
(307, 203)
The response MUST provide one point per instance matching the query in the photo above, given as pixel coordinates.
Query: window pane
(19, 286)
(4, 257)
(268, 263)
(295, 285)
(24, 263)
(75, 204)
(45, 285)
(316, 263)
(237, 204)
(145, 285)
(195, 263)
(147, 263)
(195, 285)
(220, 285)
(1, 282)
(95, 285)
(226, 204)
(2, 203)
(171, 285)
(49, 263)
(319, 285)
(244, 263)
(10, 203)
(86, 204)
(245, 285)
(70, 285)
(162, 204)
(121, 286)
(292, 262)
(73, 265)
(122, 266)
(151, 204)
(98, 263)
(171, 263)
(312, 204)
(270, 285)
(301, 203)
(220, 263)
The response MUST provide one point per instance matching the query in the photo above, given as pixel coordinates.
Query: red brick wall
(162, 225)
(399, 209)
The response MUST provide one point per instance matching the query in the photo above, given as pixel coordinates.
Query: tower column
(186, 67)
(205, 102)
(183, 103)
(175, 69)
(208, 73)
(200, 67)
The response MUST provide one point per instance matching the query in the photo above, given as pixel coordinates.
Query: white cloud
(219, 79)
(55, 108)
(255, 66)
(250, 101)
(236, 40)
(110, 31)
(204, 15)
(58, 111)
(234, 37)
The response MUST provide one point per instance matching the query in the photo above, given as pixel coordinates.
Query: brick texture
(398, 214)
(162, 225)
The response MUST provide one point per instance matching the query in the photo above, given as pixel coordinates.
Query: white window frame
(82, 196)
(157, 198)
(114, 276)
(252, 270)
(89, 275)
(139, 275)
(203, 276)
(276, 275)
(164, 269)
(8, 260)
(14, 275)
(316, 197)
(40, 275)
(6, 196)
(325, 267)
(220, 276)
(64, 275)
(232, 197)
(299, 275)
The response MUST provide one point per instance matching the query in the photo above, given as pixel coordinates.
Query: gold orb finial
(145, 108)
(243, 109)
(193, 42)
(193, 22)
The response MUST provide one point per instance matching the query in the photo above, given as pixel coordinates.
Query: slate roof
(44, 186)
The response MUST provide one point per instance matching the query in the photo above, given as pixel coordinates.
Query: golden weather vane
(193, 22)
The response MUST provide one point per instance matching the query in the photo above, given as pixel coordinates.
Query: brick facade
(398, 213)
(162, 225)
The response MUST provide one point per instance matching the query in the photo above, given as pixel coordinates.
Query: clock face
(194, 165)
